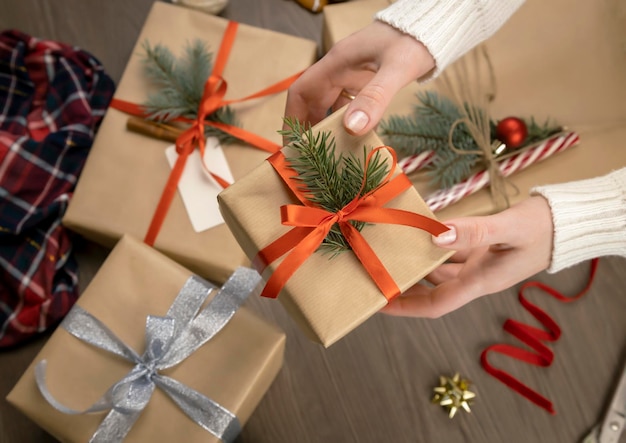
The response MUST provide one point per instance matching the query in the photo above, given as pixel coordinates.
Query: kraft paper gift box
(555, 61)
(329, 297)
(126, 173)
(343, 19)
(234, 368)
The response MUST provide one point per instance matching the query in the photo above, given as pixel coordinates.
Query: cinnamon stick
(158, 130)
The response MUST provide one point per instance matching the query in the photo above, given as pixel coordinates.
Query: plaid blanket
(52, 99)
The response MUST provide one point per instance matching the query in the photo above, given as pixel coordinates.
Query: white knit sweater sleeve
(448, 28)
(589, 218)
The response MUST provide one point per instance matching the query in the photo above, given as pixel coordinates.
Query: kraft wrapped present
(343, 19)
(544, 70)
(225, 377)
(329, 297)
(126, 172)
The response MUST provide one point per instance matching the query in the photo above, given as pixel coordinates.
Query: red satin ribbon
(212, 99)
(312, 224)
(532, 337)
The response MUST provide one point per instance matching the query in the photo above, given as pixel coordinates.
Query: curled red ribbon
(212, 99)
(532, 337)
(311, 224)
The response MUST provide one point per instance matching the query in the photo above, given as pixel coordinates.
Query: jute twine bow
(470, 84)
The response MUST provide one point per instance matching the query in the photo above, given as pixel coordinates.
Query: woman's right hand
(372, 64)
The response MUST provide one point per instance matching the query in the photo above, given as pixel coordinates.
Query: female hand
(372, 64)
(493, 253)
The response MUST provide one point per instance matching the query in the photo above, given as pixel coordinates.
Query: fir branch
(428, 129)
(409, 138)
(328, 180)
(180, 85)
(452, 168)
(193, 70)
(437, 106)
(537, 133)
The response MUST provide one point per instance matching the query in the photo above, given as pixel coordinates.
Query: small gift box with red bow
(279, 225)
(152, 353)
(128, 185)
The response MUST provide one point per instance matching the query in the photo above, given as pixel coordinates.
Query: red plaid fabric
(52, 99)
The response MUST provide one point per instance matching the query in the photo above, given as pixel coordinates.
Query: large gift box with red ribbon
(329, 295)
(127, 177)
(542, 70)
(152, 353)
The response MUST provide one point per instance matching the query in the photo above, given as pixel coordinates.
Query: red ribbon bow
(212, 99)
(312, 224)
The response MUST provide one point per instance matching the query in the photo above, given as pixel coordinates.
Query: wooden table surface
(375, 385)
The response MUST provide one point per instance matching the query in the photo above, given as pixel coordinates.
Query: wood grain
(375, 385)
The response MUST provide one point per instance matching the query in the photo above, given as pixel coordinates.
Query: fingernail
(357, 121)
(445, 238)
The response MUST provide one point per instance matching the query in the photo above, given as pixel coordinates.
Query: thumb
(367, 108)
(471, 232)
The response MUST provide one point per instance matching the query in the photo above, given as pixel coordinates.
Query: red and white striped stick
(444, 197)
(414, 162)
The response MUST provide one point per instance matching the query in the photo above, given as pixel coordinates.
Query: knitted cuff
(589, 218)
(448, 28)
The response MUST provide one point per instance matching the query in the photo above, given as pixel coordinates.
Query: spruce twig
(537, 132)
(328, 180)
(428, 127)
(180, 85)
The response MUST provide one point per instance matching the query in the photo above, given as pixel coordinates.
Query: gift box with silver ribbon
(205, 361)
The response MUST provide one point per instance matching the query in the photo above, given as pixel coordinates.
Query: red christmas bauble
(512, 131)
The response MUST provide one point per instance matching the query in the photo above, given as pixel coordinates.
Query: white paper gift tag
(197, 188)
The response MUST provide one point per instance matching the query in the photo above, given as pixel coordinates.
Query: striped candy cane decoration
(444, 197)
(414, 162)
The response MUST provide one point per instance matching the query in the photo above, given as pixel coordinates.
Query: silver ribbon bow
(169, 341)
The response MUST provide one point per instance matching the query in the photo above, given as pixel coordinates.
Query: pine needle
(537, 133)
(180, 85)
(427, 129)
(328, 180)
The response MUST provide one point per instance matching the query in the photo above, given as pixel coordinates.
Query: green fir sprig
(328, 180)
(180, 83)
(537, 132)
(428, 129)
